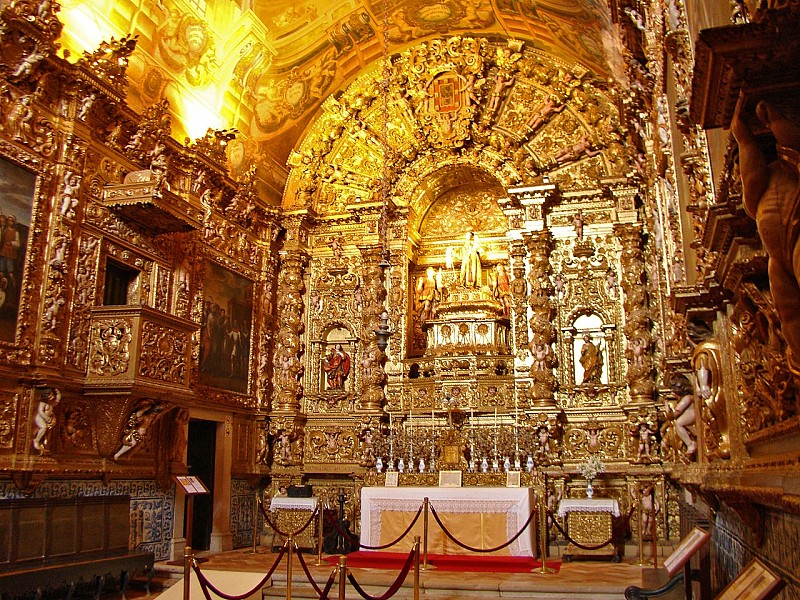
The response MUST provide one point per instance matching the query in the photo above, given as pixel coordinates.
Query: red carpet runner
(394, 561)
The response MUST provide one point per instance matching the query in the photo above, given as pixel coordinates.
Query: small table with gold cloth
(290, 515)
(589, 523)
(480, 517)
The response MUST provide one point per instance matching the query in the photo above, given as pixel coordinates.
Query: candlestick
(410, 434)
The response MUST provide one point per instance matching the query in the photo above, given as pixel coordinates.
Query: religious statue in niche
(771, 195)
(337, 368)
(471, 261)
(45, 418)
(428, 293)
(591, 360)
(501, 288)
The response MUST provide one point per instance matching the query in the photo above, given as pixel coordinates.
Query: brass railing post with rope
(321, 510)
(342, 576)
(425, 534)
(542, 496)
(187, 570)
(416, 564)
(290, 548)
(255, 519)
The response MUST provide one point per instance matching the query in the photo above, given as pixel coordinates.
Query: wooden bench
(54, 543)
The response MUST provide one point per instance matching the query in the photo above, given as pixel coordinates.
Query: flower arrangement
(591, 467)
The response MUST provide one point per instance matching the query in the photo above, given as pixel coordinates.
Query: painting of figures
(16, 197)
(226, 329)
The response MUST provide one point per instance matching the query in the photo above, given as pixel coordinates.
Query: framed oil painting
(17, 187)
(226, 329)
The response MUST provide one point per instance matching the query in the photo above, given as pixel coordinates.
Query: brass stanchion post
(544, 569)
(187, 550)
(255, 521)
(290, 547)
(425, 534)
(342, 575)
(187, 571)
(321, 510)
(416, 566)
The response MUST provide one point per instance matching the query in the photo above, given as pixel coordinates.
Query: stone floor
(579, 579)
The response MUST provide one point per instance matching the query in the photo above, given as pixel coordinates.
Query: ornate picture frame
(226, 329)
(17, 192)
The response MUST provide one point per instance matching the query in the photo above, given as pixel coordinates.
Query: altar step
(577, 580)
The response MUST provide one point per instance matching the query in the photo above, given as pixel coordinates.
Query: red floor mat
(394, 561)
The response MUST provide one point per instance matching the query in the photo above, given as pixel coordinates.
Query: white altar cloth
(609, 505)
(286, 503)
(452, 505)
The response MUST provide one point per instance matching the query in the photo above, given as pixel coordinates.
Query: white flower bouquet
(591, 467)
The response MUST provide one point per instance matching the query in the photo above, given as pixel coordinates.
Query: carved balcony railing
(136, 349)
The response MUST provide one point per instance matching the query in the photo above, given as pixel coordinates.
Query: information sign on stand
(191, 486)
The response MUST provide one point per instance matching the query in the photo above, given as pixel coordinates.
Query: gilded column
(639, 352)
(372, 357)
(287, 367)
(542, 330)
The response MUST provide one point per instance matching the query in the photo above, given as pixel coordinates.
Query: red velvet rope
(282, 533)
(205, 584)
(614, 533)
(390, 544)
(483, 550)
(394, 587)
(323, 594)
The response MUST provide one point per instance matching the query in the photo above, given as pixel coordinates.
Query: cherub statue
(45, 418)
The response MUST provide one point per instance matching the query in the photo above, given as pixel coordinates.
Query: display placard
(685, 550)
(191, 485)
(755, 582)
(449, 478)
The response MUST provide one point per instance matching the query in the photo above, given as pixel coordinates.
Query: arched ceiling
(264, 67)
(457, 113)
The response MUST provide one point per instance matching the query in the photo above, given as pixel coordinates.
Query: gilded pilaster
(639, 352)
(288, 369)
(543, 332)
(371, 364)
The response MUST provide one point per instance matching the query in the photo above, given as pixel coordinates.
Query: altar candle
(410, 433)
(433, 433)
(496, 431)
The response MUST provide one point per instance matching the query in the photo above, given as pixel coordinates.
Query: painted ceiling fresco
(266, 69)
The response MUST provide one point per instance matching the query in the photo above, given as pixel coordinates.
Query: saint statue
(501, 288)
(471, 261)
(337, 367)
(428, 292)
(591, 360)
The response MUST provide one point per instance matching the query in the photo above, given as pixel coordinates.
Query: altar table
(290, 515)
(589, 523)
(481, 517)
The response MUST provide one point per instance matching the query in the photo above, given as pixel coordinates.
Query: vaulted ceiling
(265, 70)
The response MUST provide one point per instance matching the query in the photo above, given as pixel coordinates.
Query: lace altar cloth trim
(590, 505)
(281, 502)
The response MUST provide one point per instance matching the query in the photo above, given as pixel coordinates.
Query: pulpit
(290, 514)
(589, 523)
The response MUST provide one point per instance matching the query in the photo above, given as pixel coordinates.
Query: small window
(118, 281)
